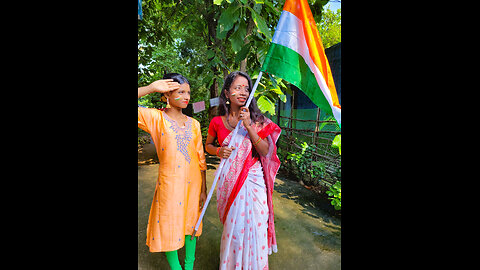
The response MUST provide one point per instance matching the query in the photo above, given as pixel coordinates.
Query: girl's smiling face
(239, 91)
(180, 97)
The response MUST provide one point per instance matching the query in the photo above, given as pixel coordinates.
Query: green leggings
(172, 256)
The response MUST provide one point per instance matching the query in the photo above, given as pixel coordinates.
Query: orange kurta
(175, 208)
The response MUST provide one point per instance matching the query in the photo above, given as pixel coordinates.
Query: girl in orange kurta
(181, 187)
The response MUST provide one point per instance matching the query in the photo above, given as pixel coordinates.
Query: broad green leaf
(337, 143)
(274, 9)
(280, 82)
(237, 38)
(261, 25)
(265, 104)
(242, 53)
(210, 54)
(289, 91)
(217, 2)
(322, 125)
(277, 90)
(227, 20)
(262, 50)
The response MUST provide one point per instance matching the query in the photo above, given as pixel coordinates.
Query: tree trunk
(212, 40)
(251, 23)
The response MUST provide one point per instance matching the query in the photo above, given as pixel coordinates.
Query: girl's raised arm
(160, 86)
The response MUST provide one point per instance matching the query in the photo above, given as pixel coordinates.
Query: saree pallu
(244, 201)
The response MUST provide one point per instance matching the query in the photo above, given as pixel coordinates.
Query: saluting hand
(163, 86)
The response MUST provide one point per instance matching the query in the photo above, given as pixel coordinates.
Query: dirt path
(307, 237)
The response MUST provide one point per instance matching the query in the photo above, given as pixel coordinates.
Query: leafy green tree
(206, 40)
(330, 26)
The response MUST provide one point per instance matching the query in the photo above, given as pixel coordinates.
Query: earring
(168, 104)
(228, 102)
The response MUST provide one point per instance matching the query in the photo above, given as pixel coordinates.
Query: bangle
(259, 139)
(218, 150)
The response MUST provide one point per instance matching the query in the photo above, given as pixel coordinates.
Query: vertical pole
(290, 122)
(316, 126)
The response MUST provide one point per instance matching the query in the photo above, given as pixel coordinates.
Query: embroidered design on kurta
(183, 137)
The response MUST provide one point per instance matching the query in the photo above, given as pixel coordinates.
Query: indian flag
(296, 54)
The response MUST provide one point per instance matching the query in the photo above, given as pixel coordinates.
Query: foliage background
(206, 40)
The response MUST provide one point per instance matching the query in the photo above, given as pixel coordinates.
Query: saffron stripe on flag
(301, 10)
(292, 67)
(296, 31)
(290, 33)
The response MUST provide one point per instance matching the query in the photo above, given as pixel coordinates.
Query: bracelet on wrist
(218, 150)
(259, 139)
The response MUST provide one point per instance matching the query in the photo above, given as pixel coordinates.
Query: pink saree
(244, 201)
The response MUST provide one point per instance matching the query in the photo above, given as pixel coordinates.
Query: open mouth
(240, 99)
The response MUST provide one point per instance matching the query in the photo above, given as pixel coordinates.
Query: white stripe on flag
(289, 33)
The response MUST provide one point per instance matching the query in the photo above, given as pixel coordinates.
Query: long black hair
(224, 109)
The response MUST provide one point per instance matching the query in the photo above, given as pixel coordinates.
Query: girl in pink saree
(245, 184)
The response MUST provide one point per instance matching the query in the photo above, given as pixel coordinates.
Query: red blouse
(217, 129)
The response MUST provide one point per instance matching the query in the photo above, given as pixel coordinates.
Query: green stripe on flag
(290, 66)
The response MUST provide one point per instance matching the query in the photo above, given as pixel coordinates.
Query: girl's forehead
(183, 87)
(240, 80)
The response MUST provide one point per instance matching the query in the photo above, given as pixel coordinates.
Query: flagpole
(234, 152)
